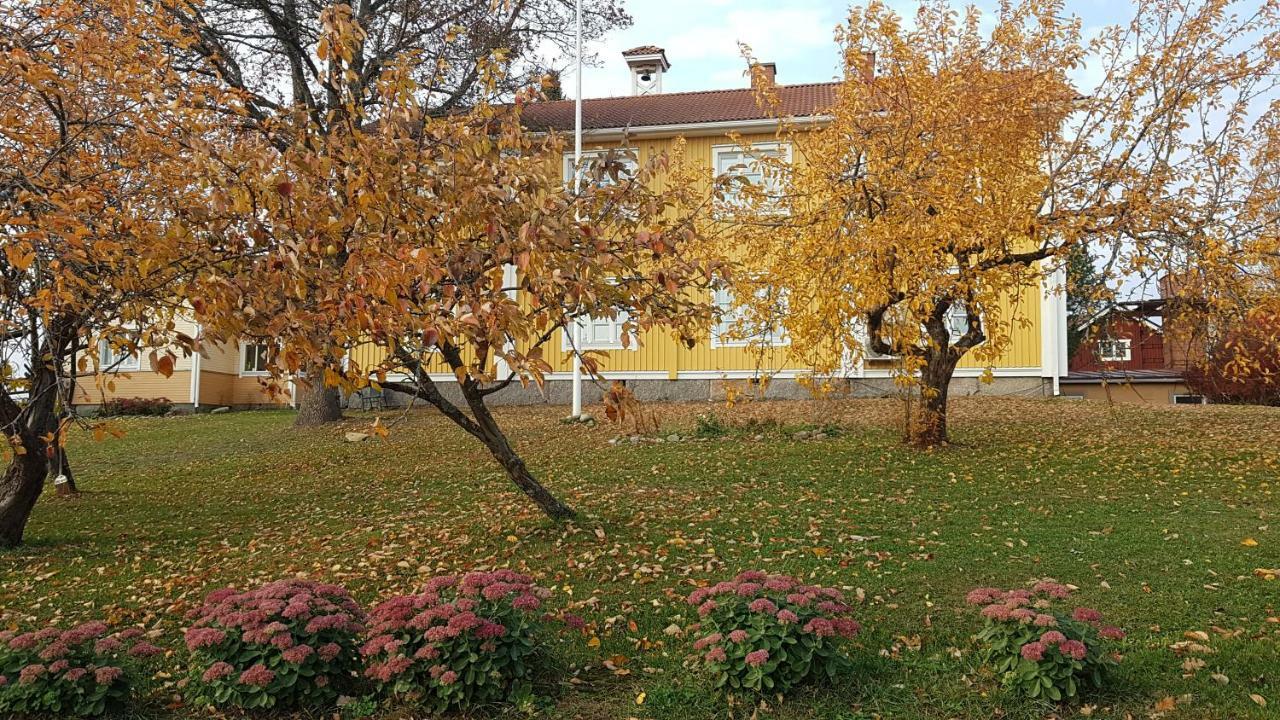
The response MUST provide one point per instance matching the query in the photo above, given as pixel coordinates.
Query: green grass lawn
(1144, 509)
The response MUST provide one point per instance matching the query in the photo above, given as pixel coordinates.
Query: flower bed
(461, 642)
(769, 633)
(290, 643)
(1039, 648)
(81, 672)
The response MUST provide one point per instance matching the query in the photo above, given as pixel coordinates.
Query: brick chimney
(768, 72)
(647, 64)
(868, 65)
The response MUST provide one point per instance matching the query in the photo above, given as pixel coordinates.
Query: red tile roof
(706, 106)
(642, 50)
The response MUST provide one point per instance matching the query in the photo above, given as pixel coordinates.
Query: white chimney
(647, 63)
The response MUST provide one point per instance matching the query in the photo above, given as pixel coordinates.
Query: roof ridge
(685, 92)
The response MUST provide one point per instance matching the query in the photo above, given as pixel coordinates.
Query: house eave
(701, 129)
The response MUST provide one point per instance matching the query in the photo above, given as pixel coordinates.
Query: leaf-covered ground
(1165, 518)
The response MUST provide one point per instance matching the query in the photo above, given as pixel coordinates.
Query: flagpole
(577, 186)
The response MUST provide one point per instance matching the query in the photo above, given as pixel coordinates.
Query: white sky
(701, 39)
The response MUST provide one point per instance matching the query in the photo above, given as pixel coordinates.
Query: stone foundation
(560, 392)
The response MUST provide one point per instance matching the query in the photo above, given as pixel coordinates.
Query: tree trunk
(929, 427)
(484, 428)
(21, 485)
(317, 403)
(496, 441)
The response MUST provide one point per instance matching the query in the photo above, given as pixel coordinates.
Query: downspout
(195, 374)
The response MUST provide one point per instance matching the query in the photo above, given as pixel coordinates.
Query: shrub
(709, 426)
(135, 406)
(81, 672)
(770, 632)
(1039, 649)
(461, 642)
(290, 643)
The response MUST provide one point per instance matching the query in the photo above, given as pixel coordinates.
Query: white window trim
(958, 308)
(244, 349)
(718, 150)
(587, 155)
(769, 340)
(1125, 343)
(129, 364)
(566, 340)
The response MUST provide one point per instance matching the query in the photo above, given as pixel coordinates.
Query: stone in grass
(673, 437)
(356, 436)
(220, 410)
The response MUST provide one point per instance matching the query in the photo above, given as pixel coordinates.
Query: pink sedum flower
(1111, 632)
(1053, 637)
(757, 658)
(107, 646)
(984, 596)
(297, 654)
(329, 651)
(31, 673)
(738, 636)
(145, 650)
(258, 675)
(107, 675)
(1074, 649)
(1084, 614)
(1033, 651)
(217, 671)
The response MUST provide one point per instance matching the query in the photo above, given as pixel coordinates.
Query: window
(1188, 400)
(957, 321)
(253, 359)
(599, 333)
(733, 329)
(1114, 350)
(622, 166)
(115, 359)
(734, 161)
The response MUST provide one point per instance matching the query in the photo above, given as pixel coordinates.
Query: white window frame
(731, 315)
(717, 151)
(585, 322)
(628, 156)
(1118, 349)
(244, 352)
(111, 359)
(957, 311)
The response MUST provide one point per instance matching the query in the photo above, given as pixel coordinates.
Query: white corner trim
(195, 373)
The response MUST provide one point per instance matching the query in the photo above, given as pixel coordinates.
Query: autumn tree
(446, 242)
(271, 54)
(965, 159)
(91, 120)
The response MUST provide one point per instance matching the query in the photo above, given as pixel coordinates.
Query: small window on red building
(1115, 350)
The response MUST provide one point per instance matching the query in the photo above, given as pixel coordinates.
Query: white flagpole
(577, 186)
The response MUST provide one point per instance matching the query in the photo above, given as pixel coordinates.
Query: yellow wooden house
(648, 122)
